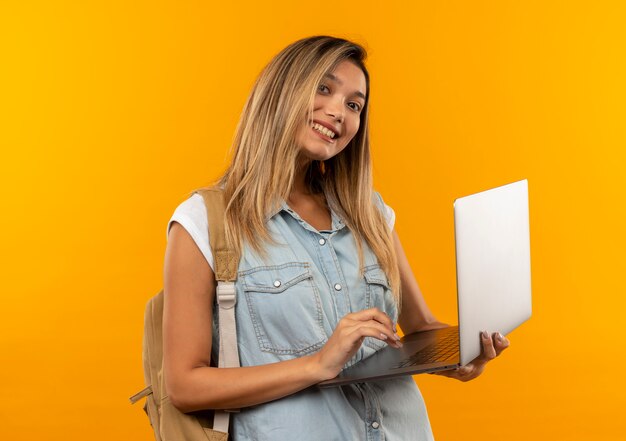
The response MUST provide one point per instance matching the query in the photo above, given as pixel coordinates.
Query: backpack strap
(226, 262)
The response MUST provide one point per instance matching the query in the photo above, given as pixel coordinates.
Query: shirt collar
(337, 221)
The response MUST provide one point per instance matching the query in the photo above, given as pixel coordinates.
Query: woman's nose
(335, 110)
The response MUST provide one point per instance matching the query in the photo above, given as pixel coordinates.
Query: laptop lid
(492, 239)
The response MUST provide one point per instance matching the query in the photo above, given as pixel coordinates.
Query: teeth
(324, 130)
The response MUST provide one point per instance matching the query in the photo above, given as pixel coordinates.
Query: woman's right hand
(348, 337)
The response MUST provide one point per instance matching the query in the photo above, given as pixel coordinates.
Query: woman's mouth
(323, 136)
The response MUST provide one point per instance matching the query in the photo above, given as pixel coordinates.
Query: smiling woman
(343, 104)
(310, 231)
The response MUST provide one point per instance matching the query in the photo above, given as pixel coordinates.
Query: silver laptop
(493, 289)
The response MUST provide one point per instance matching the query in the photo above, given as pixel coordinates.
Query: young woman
(321, 269)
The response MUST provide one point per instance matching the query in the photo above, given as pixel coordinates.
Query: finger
(390, 333)
(349, 325)
(373, 314)
(464, 370)
(489, 352)
(384, 332)
(501, 343)
(371, 331)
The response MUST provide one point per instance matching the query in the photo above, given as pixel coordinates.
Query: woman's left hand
(475, 367)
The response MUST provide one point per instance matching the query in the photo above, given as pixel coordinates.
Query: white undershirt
(191, 214)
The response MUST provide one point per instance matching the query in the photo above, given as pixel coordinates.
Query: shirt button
(375, 425)
(276, 283)
(322, 241)
(337, 287)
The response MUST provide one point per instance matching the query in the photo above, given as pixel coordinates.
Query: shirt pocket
(377, 295)
(285, 308)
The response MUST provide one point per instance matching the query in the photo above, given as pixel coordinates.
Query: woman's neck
(310, 206)
(300, 186)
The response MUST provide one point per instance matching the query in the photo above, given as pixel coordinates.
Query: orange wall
(111, 112)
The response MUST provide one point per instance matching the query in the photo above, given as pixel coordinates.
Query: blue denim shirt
(288, 305)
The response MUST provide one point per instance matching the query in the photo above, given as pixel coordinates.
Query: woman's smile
(324, 137)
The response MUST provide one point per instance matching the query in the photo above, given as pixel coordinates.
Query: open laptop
(493, 289)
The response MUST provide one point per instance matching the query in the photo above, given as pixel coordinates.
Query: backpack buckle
(226, 294)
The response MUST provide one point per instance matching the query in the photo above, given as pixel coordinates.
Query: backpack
(168, 423)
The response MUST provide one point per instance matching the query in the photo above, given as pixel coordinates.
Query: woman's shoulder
(191, 214)
(191, 211)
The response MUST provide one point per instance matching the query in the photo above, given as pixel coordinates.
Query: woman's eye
(357, 107)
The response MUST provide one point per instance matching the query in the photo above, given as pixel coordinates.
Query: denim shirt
(288, 305)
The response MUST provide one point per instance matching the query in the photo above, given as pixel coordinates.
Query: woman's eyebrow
(338, 81)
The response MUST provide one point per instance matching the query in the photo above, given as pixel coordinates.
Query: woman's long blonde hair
(265, 153)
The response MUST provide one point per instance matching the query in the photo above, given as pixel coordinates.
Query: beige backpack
(168, 422)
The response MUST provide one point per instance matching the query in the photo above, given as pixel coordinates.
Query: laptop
(492, 242)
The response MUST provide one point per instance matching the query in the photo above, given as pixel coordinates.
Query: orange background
(112, 111)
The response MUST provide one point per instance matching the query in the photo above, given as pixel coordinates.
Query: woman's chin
(319, 153)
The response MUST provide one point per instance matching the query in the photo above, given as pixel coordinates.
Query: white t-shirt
(191, 214)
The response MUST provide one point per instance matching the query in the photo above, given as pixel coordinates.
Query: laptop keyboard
(442, 350)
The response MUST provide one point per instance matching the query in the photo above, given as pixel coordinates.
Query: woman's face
(338, 104)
